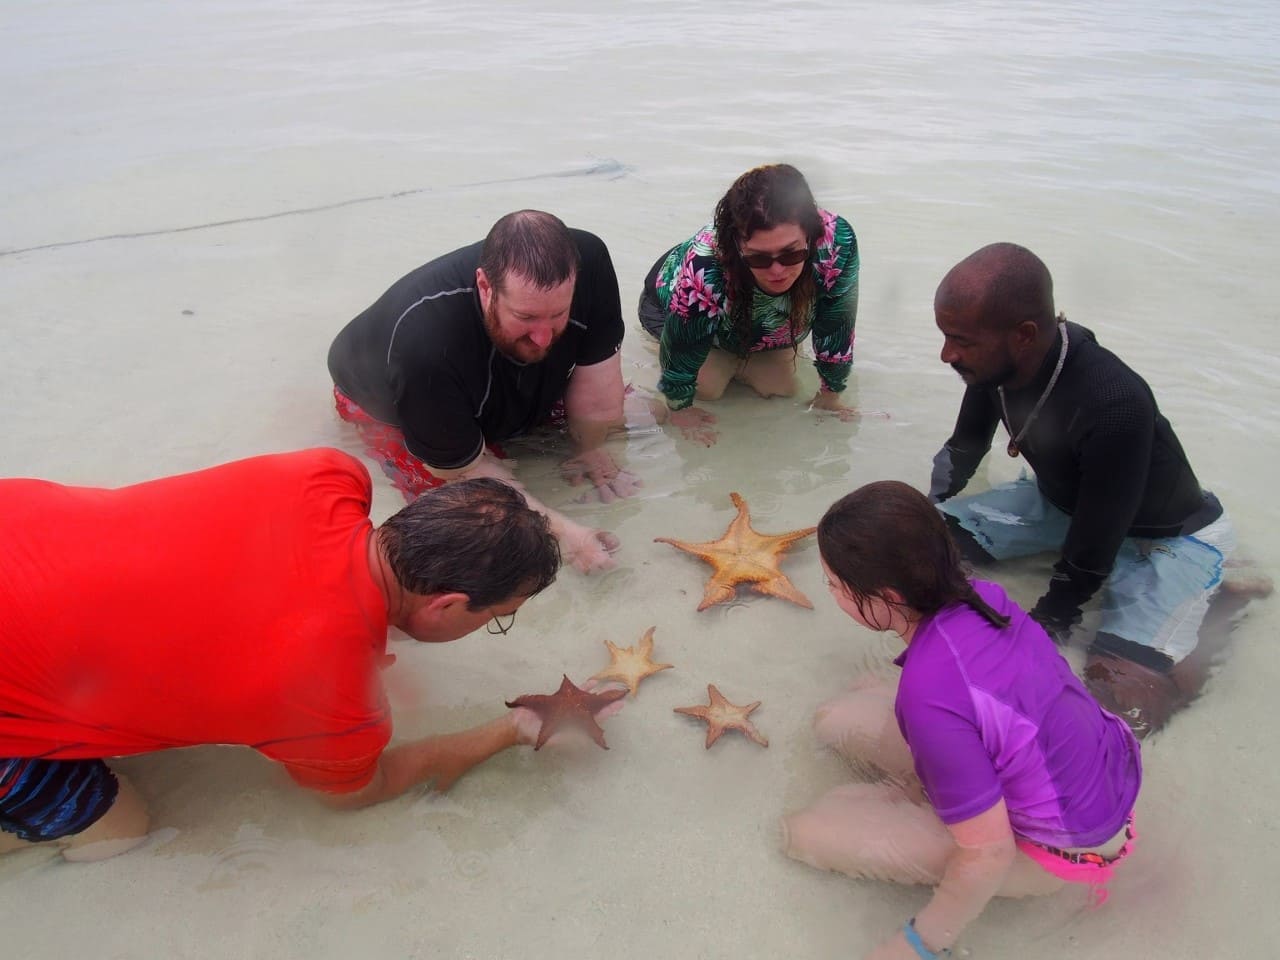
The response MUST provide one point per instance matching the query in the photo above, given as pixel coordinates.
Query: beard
(1000, 377)
(520, 349)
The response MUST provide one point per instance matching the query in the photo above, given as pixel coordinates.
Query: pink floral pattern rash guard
(691, 287)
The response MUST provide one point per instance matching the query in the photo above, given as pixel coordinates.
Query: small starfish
(744, 555)
(630, 665)
(721, 715)
(569, 705)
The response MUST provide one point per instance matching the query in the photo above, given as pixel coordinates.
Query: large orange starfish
(721, 715)
(630, 665)
(744, 555)
(569, 705)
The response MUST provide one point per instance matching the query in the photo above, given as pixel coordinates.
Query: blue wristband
(916, 944)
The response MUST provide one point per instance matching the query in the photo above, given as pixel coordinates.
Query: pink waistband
(1092, 873)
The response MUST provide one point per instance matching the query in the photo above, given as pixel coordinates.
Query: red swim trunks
(385, 444)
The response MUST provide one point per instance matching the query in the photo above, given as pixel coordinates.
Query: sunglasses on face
(763, 261)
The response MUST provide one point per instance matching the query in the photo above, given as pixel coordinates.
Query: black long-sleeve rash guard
(1101, 451)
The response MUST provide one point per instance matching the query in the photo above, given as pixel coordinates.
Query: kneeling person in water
(1003, 775)
(1113, 494)
(246, 604)
(735, 301)
(482, 345)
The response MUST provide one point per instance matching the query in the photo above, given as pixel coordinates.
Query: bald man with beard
(1113, 492)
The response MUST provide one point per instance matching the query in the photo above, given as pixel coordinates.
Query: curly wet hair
(761, 199)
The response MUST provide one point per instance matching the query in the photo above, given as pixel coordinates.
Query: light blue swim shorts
(1159, 589)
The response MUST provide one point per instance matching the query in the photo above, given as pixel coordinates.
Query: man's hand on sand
(588, 550)
(609, 481)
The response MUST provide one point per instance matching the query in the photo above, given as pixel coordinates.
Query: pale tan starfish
(744, 555)
(630, 665)
(721, 715)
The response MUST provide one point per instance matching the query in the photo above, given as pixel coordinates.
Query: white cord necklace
(1013, 448)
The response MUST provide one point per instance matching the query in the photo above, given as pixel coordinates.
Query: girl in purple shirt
(1003, 777)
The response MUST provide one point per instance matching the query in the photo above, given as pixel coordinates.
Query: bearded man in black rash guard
(482, 345)
(1113, 491)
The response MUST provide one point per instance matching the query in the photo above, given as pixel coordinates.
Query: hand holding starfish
(538, 716)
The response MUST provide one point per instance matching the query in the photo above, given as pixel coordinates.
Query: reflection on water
(1130, 144)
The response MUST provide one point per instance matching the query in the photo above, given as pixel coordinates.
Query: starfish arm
(697, 549)
(714, 730)
(620, 676)
(544, 733)
(716, 591)
(782, 588)
(646, 643)
(699, 712)
(794, 535)
(597, 732)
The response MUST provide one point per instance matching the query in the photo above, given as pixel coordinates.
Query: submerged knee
(800, 839)
(832, 724)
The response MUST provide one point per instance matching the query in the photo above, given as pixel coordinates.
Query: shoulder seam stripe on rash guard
(408, 309)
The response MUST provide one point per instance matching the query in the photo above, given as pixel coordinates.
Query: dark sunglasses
(763, 261)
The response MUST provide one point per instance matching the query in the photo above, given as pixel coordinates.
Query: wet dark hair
(888, 536)
(762, 199)
(478, 537)
(534, 245)
(1009, 283)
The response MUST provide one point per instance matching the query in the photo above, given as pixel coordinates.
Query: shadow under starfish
(744, 555)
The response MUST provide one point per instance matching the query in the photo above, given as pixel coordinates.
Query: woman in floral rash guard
(735, 301)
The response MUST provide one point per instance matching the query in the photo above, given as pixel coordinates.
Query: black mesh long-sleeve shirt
(1101, 451)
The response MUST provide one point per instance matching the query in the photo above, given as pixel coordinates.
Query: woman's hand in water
(695, 424)
(824, 401)
(586, 549)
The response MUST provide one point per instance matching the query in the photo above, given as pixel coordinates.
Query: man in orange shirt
(244, 604)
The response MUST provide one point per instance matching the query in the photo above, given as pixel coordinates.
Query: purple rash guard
(992, 712)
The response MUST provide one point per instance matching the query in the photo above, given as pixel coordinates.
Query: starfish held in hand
(568, 706)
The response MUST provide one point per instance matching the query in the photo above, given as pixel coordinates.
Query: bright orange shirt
(232, 605)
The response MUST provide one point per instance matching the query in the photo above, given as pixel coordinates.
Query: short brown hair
(532, 244)
(478, 537)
